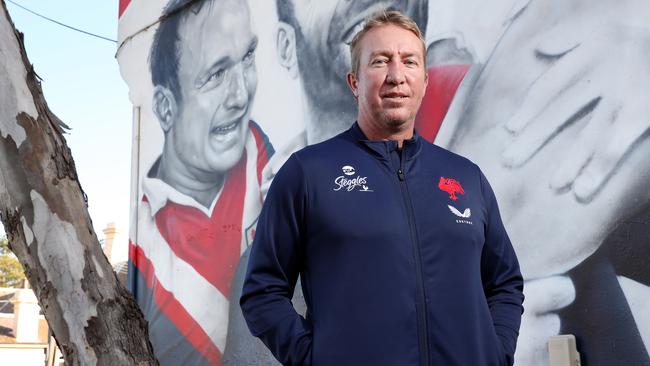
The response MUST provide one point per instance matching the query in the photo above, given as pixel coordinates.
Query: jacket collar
(382, 148)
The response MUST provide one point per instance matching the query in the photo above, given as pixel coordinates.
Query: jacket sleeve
(273, 268)
(502, 281)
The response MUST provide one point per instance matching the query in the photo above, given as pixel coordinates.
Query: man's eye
(249, 57)
(379, 61)
(410, 62)
(215, 78)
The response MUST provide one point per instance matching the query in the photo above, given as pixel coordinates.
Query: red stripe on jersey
(122, 7)
(211, 245)
(264, 149)
(173, 309)
(443, 84)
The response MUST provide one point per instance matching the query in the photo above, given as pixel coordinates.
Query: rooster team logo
(451, 186)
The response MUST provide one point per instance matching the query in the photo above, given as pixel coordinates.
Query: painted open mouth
(223, 130)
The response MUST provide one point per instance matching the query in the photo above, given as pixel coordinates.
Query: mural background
(550, 98)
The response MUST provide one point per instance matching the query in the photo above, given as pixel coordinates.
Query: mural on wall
(548, 97)
(557, 119)
(201, 197)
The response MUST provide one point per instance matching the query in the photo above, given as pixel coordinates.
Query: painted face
(218, 79)
(326, 29)
(392, 77)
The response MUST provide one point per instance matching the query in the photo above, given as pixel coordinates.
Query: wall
(23, 354)
(548, 97)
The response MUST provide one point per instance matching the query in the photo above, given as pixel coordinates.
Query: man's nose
(237, 90)
(395, 73)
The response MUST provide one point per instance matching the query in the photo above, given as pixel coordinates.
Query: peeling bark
(44, 211)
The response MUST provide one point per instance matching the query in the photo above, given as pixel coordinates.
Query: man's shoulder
(447, 157)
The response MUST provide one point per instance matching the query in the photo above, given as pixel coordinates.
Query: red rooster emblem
(451, 186)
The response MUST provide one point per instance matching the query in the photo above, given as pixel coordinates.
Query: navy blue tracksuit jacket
(402, 255)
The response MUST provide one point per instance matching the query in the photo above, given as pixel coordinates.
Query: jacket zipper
(421, 306)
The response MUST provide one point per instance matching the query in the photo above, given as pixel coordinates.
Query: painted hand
(540, 321)
(599, 81)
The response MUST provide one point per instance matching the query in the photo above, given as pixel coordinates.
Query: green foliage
(11, 272)
(4, 246)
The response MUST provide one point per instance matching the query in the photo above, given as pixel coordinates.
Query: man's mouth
(394, 96)
(223, 130)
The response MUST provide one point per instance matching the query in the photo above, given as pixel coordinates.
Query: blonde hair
(378, 19)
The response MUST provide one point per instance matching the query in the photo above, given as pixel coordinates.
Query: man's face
(323, 52)
(391, 79)
(218, 79)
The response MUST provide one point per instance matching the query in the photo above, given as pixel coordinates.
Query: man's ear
(353, 84)
(164, 107)
(286, 47)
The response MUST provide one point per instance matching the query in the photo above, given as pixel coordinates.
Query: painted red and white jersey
(184, 255)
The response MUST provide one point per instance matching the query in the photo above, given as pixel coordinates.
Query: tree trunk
(44, 212)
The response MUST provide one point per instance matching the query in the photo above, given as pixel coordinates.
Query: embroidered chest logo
(466, 214)
(453, 187)
(349, 182)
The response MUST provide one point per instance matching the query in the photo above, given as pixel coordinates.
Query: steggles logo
(349, 184)
(348, 170)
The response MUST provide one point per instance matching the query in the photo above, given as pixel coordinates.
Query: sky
(83, 87)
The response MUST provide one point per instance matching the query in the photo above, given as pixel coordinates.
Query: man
(201, 196)
(402, 254)
(312, 44)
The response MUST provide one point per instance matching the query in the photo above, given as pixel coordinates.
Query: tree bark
(44, 212)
